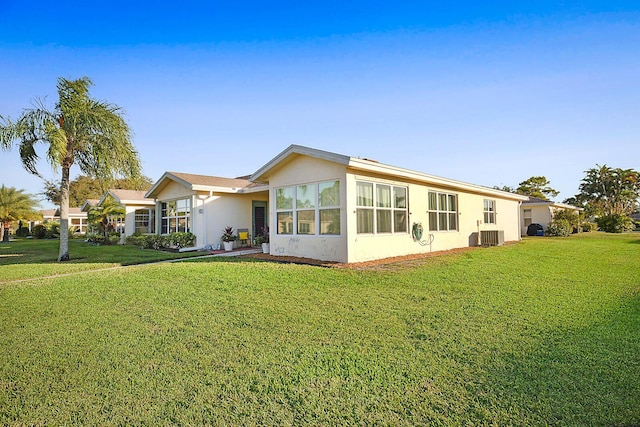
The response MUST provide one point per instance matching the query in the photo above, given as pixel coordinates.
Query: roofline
(372, 166)
(553, 204)
(201, 187)
(299, 149)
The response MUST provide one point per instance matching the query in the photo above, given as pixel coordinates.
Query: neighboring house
(540, 211)
(77, 219)
(205, 205)
(332, 207)
(48, 215)
(139, 211)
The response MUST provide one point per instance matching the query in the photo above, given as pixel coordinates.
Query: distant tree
(15, 205)
(85, 187)
(537, 186)
(77, 131)
(606, 191)
(504, 188)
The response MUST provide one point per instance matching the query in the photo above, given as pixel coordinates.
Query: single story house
(540, 211)
(77, 219)
(139, 211)
(333, 207)
(204, 205)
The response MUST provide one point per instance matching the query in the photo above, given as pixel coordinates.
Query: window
(489, 211)
(144, 220)
(314, 208)
(443, 211)
(527, 217)
(381, 208)
(176, 216)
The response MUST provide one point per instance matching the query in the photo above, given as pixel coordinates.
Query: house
(77, 219)
(204, 205)
(140, 211)
(540, 211)
(333, 207)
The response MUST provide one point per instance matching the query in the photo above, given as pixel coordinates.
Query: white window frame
(317, 209)
(489, 211)
(165, 218)
(380, 206)
(150, 219)
(442, 213)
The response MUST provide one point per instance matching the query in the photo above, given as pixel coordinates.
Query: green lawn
(546, 331)
(25, 258)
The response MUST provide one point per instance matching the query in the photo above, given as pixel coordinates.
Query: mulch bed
(393, 263)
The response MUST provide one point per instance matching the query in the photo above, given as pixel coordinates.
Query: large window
(443, 211)
(312, 209)
(144, 220)
(489, 211)
(176, 216)
(381, 208)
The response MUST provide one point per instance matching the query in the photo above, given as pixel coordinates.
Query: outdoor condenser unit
(492, 237)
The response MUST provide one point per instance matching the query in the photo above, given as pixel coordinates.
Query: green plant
(113, 238)
(39, 231)
(615, 223)
(22, 232)
(182, 239)
(559, 227)
(589, 226)
(227, 234)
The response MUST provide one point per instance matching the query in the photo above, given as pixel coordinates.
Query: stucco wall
(539, 215)
(221, 210)
(306, 170)
(365, 247)
(353, 247)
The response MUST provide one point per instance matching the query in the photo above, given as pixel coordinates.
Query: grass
(541, 332)
(26, 258)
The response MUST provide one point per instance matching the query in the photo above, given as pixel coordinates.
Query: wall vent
(492, 237)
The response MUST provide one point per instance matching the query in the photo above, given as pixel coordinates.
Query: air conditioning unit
(492, 237)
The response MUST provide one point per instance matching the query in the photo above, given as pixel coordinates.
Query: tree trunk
(63, 253)
(5, 236)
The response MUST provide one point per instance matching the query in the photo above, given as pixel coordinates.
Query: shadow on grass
(576, 377)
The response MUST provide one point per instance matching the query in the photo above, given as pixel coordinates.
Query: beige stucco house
(540, 211)
(205, 205)
(139, 211)
(333, 207)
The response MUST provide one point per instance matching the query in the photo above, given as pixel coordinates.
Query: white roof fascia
(381, 168)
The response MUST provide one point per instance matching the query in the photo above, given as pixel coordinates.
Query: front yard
(541, 332)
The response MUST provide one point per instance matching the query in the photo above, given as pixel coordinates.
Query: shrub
(559, 227)
(22, 232)
(182, 239)
(589, 226)
(615, 223)
(113, 238)
(136, 239)
(39, 231)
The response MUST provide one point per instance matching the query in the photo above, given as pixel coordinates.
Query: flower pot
(265, 248)
(228, 246)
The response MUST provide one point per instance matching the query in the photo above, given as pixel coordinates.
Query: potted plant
(228, 238)
(263, 239)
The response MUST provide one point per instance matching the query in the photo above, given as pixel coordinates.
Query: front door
(259, 221)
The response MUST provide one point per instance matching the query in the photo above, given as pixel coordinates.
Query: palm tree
(15, 205)
(105, 215)
(79, 130)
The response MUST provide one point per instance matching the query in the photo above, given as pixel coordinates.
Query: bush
(22, 232)
(559, 227)
(589, 226)
(39, 231)
(182, 239)
(153, 241)
(615, 223)
(113, 238)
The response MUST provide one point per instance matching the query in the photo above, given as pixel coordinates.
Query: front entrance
(260, 220)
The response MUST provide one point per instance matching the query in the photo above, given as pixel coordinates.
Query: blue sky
(490, 93)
